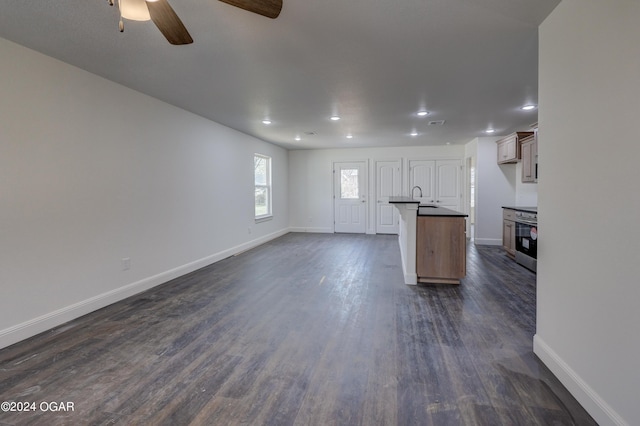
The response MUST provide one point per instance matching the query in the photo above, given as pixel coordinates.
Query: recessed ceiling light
(489, 131)
(414, 133)
(528, 107)
(298, 138)
(335, 118)
(423, 113)
(266, 121)
(349, 136)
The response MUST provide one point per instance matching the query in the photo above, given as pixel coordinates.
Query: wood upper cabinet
(441, 249)
(529, 151)
(509, 231)
(509, 147)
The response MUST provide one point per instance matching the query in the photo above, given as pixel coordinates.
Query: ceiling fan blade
(168, 22)
(269, 8)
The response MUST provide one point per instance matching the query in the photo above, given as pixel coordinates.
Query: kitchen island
(432, 242)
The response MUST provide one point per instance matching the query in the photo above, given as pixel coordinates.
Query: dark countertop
(431, 210)
(403, 200)
(427, 209)
(522, 209)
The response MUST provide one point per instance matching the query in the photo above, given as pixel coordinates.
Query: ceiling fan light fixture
(135, 10)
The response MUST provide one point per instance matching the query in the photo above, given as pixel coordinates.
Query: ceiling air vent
(436, 123)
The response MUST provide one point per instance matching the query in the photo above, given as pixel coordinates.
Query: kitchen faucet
(420, 189)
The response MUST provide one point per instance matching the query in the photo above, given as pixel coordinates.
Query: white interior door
(448, 184)
(422, 173)
(350, 203)
(388, 184)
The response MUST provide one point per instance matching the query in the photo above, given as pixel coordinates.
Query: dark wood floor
(304, 330)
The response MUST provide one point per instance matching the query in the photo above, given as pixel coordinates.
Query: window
(349, 184)
(262, 178)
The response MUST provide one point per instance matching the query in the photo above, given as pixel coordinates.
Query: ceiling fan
(170, 25)
(269, 8)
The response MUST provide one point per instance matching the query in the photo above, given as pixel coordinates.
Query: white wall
(589, 204)
(311, 180)
(526, 192)
(495, 187)
(92, 172)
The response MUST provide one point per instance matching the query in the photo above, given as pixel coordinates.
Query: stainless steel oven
(527, 239)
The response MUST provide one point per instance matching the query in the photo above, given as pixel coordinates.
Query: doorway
(471, 196)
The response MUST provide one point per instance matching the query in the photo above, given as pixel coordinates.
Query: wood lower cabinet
(509, 231)
(441, 249)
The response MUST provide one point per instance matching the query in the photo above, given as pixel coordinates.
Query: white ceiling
(375, 63)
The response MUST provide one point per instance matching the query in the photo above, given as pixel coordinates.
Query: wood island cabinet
(441, 249)
(509, 231)
(509, 147)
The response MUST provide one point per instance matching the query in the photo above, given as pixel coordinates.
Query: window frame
(268, 187)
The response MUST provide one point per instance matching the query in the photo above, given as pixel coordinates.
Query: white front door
(350, 203)
(388, 184)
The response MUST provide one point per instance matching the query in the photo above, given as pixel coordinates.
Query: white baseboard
(487, 241)
(312, 230)
(411, 279)
(586, 396)
(45, 322)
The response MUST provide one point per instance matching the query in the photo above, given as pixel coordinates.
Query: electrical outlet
(126, 263)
